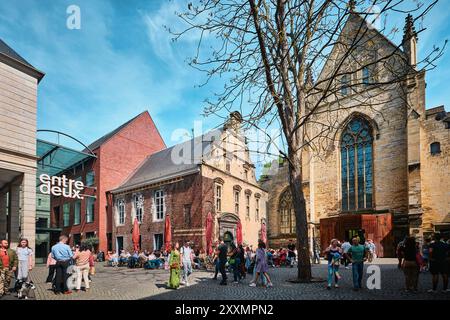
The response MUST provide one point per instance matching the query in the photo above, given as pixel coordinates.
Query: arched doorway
(228, 226)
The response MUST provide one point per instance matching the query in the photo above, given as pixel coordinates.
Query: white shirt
(186, 252)
(345, 246)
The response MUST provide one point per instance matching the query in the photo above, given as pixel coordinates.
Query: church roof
(179, 160)
(359, 19)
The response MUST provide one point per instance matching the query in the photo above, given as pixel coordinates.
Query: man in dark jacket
(8, 265)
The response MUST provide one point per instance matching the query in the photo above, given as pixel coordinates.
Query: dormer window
(435, 148)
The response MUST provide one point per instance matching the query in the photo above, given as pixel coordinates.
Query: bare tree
(270, 51)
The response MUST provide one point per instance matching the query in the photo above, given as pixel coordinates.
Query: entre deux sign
(61, 186)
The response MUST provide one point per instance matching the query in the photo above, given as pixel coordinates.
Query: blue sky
(123, 62)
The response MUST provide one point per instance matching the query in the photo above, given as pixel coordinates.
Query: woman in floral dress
(175, 267)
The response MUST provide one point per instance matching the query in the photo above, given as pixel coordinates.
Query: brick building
(210, 173)
(118, 153)
(383, 169)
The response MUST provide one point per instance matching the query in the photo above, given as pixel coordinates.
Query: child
(335, 261)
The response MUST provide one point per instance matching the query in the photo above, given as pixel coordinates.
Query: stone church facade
(383, 169)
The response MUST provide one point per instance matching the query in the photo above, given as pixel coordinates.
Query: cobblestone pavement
(130, 284)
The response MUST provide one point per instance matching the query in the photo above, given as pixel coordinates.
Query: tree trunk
(298, 199)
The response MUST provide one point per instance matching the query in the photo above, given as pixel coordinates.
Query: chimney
(234, 121)
(410, 41)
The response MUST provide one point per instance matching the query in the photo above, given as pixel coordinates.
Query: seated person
(153, 261)
(202, 258)
(143, 258)
(124, 257)
(114, 259)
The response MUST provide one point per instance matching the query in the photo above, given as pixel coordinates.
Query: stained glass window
(287, 214)
(356, 166)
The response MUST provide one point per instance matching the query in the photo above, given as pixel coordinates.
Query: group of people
(433, 256)
(282, 257)
(59, 260)
(14, 264)
(240, 261)
(338, 253)
(157, 259)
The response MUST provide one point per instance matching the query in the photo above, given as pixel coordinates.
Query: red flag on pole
(239, 233)
(209, 227)
(263, 233)
(136, 235)
(167, 233)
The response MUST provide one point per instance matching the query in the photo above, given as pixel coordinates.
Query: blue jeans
(187, 270)
(332, 269)
(236, 271)
(357, 270)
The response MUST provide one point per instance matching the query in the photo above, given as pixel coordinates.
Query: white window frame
(257, 210)
(218, 196)
(236, 196)
(159, 195)
(154, 241)
(138, 207)
(120, 213)
(247, 206)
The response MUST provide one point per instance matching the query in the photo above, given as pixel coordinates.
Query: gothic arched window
(356, 165)
(287, 214)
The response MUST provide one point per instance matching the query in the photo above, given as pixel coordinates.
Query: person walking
(345, 246)
(235, 262)
(410, 265)
(248, 258)
(223, 254)
(371, 250)
(175, 267)
(426, 254)
(291, 255)
(62, 253)
(242, 270)
(261, 265)
(316, 252)
(216, 260)
(51, 263)
(357, 254)
(8, 265)
(438, 254)
(333, 254)
(82, 267)
(25, 257)
(399, 251)
(186, 261)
